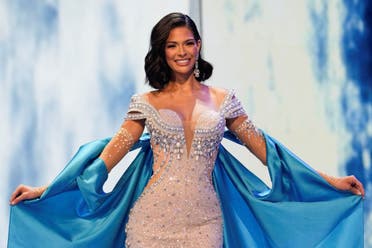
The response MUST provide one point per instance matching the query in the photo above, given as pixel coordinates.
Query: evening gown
(181, 208)
(189, 191)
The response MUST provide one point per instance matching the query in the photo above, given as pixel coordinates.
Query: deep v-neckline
(188, 126)
(181, 124)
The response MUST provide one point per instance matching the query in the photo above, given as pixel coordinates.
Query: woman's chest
(199, 136)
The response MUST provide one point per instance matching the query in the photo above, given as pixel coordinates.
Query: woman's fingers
(17, 192)
(19, 198)
(22, 192)
(352, 184)
(356, 186)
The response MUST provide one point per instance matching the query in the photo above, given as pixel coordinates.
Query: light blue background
(68, 68)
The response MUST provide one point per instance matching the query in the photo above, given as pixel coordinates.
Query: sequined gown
(179, 207)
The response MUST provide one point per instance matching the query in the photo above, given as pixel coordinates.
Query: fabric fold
(299, 210)
(74, 211)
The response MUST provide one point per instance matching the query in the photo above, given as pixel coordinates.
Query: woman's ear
(198, 45)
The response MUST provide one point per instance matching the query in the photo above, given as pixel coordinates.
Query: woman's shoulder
(220, 93)
(143, 95)
(228, 104)
(139, 102)
(219, 90)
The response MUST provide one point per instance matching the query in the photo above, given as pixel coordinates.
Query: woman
(179, 206)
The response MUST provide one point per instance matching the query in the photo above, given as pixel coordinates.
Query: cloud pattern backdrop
(67, 70)
(303, 70)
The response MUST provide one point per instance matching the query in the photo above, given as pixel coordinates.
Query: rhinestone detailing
(179, 207)
(208, 135)
(169, 134)
(119, 145)
(252, 138)
(246, 131)
(232, 107)
(247, 126)
(196, 70)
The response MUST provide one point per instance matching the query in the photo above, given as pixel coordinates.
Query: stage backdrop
(68, 69)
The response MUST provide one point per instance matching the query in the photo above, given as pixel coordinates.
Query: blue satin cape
(300, 210)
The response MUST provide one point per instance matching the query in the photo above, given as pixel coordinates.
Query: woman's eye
(190, 43)
(171, 46)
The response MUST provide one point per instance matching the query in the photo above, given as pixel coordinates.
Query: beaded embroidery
(181, 208)
(252, 138)
(232, 107)
(247, 129)
(121, 142)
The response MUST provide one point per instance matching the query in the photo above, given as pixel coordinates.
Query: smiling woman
(181, 53)
(187, 190)
(158, 71)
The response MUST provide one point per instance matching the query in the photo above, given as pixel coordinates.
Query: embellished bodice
(179, 207)
(168, 139)
(168, 132)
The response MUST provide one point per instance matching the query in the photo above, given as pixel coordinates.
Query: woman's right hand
(24, 192)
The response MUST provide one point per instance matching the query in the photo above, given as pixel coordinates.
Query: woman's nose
(181, 51)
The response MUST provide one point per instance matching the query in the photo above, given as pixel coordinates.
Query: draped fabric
(300, 209)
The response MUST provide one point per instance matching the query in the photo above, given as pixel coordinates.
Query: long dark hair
(158, 72)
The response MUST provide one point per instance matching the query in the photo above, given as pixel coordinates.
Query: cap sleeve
(138, 109)
(231, 106)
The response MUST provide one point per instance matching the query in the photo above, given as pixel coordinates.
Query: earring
(196, 69)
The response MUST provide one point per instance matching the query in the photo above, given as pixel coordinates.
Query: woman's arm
(115, 150)
(253, 139)
(24, 192)
(249, 135)
(348, 183)
(128, 134)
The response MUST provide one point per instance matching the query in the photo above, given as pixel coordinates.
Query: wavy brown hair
(158, 72)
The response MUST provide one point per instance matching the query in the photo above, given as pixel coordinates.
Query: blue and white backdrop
(68, 68)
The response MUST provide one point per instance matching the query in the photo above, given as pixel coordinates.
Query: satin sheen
(300, 210)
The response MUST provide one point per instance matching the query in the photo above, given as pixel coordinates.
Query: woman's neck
(183, 87)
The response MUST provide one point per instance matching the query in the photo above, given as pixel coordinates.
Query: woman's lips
(182, 61)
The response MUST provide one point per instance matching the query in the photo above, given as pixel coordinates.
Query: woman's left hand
(348, 183)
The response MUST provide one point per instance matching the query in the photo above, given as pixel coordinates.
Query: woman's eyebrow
(171, 41)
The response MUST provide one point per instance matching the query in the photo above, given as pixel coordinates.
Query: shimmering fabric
(188, 192)
(74, 211)
(180, 208)
(120, 145)
(252, 138)
(301, 209)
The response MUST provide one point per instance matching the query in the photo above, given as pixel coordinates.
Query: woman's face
(181, 51)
